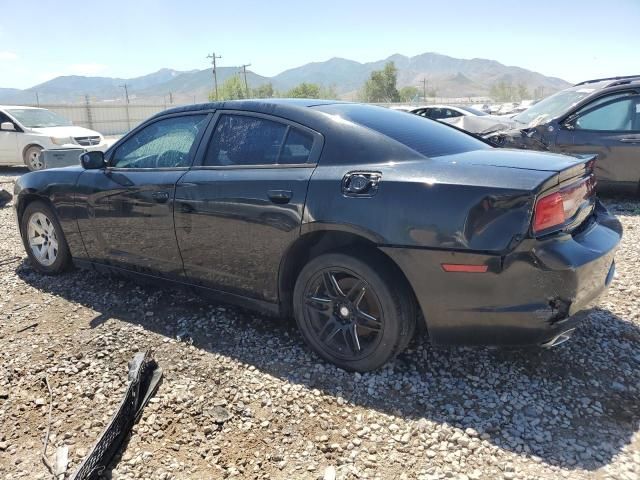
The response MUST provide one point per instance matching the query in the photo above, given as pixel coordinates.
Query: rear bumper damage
(528, 297)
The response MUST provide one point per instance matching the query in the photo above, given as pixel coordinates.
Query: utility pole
(37, 99)
(425, 84)
(126, 92)
(244, 71)
(171, 97)
(87, 106)
(213, 58)
(126, 107)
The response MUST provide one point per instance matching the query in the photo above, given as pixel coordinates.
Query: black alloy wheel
(353, 311)
(344, 312)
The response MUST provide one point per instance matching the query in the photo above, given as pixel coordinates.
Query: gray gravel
(242, 397)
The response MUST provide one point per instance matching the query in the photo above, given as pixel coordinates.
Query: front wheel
(33, 158)
(43, 239)
(353, 310)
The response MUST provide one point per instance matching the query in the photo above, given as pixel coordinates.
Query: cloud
(87, 69)
(8, 56)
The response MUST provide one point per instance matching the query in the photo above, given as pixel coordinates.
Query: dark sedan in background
(357, 220)
(600, 116)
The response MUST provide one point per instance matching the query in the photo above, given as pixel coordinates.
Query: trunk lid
(566, 167)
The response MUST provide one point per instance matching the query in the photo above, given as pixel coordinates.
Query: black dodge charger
(359, 221)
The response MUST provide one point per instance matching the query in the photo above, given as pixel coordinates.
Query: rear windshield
(427, 137)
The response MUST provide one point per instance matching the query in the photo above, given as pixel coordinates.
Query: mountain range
(450, 77)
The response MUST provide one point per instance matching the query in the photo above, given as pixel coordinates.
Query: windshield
(478, 113)
(551, 107)
(38, 117)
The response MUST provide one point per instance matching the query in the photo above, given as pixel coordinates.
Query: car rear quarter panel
(429, 204)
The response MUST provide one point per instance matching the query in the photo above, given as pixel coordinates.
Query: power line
(213, 58)
(244, 71)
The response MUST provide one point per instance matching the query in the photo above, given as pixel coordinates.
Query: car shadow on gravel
(575, 406)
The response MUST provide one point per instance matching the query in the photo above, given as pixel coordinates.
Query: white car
(446, 112)
(26, 131)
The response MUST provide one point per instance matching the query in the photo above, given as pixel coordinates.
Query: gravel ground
(242, 396)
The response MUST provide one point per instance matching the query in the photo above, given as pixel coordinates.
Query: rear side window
(426, 137)
(244, 140)
(297, 147)
(247, 140)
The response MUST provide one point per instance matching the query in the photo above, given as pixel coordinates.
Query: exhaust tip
(559, 339)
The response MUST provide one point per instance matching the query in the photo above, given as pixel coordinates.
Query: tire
(33, 158)
(40, 229)
(353, 310)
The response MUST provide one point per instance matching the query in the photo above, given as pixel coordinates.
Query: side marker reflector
(454, 267)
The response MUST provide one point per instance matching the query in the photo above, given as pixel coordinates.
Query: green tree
(381, 86)
(329, 93)
(409, 93)
(231, 89)
(523, 93)
(263, 91)
(304, 90)
(502, 91)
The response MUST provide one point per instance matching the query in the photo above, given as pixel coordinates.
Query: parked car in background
(599, 116)
(446, 112)
(484, 108)
(26, 131)
(351, 217)
(468, 119)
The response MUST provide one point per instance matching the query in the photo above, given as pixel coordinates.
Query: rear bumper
(527, 297)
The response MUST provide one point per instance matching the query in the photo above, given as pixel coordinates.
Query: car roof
(431, 105)
(602, 83)
(257, 105)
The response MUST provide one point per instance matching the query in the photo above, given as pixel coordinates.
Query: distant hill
(450, 77)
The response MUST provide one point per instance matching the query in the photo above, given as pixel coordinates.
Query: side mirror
(92, 160)
(7, 126)
(570, 122)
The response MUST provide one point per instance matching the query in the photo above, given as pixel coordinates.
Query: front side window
(246, 140)
(168, 143)
(4, 118)
(620, 115)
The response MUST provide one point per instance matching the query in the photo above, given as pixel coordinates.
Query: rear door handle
(280, 196)
(160, 197)
(630, 140)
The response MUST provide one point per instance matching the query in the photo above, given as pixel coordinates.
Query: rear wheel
(353, 310)
(43, 239)
(33, 158)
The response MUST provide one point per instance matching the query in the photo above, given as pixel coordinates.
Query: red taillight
(549, 212)
(556, 208)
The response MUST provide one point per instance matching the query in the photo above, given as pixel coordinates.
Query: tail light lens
(555, 209)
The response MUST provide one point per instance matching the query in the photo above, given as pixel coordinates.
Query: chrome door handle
(630, 140)
(160, 197)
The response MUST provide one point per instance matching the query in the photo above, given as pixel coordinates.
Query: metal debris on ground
(33, 325)
(144, 377)
(7, 261)
(5, 197)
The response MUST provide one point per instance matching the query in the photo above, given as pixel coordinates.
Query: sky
(572, 39)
